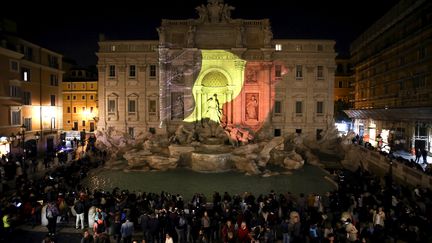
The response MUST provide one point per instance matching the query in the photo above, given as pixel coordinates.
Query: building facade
(80, 102)
(393, 82)
(344, 81)
(31, 95)
(277, 86)
(343, 93)
(10, 96)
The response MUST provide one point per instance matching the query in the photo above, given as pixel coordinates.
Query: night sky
(72, 27)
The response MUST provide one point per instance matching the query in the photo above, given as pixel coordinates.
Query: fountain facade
(212, 94)
(212, 156)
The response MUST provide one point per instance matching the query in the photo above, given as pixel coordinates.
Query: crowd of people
(28, 185)
(364, 208)
(421, 154)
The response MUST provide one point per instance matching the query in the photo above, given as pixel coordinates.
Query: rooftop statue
(268, 36)
(203, 13)
(161, 32)
(226, 12)
(191, 36)
(214, 12)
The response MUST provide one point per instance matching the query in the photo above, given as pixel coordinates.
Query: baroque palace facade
(214, 62)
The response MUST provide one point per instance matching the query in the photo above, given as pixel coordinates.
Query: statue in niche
(191, 36)
(178, 108)
(240, 34)
(203, 13)
(161, 32)
(268, 36)
(213, 108)
(213, 114)
(252, 108)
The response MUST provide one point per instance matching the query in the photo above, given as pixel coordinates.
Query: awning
(393, 114)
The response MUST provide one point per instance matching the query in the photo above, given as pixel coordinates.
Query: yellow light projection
(220, 81)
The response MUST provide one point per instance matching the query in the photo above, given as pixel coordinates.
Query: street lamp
(83, 137)
(23, 130)
(389, 183)
(37, 136)
(18, 137)
(12, 138)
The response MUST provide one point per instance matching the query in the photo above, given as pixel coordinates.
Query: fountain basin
(206, 161)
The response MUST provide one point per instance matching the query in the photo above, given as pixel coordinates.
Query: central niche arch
(221, 74)
(214, 79)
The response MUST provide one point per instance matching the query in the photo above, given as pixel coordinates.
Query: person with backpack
(51, 214)
(181, 227)
(79, 209)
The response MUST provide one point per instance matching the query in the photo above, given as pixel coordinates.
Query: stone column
(229, 106)
(198, 105)
(163, 55)
(270, 102)
(205, 106)
(102, 97)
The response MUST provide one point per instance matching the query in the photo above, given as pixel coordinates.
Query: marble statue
(232, 134)
(252, 108)
(268, 36)
(161, 32)
(182, 136)
(226, 12)
(191, 36)
(240, 34)
(214, 12)
(213, 109)
(203, 13)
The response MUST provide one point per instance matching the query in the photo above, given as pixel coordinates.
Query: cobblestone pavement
(65, 233)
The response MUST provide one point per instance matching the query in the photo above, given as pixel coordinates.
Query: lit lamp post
(37, 137)
(12, 139)
(390, 183)
(19, 137)
(83, 137)
(85, 116)
(23, 130)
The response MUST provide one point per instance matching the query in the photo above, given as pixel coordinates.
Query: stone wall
(379, 164)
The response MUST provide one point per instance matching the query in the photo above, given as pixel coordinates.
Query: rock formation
(192, 146)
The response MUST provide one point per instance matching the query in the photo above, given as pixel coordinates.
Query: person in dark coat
(87, 237)
(424, 154)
